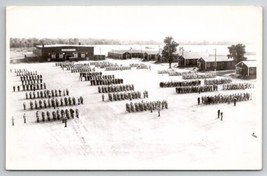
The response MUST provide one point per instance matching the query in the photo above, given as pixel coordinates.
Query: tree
(169, 49)
(237, 52)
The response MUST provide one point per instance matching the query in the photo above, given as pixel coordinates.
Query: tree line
(31, 42)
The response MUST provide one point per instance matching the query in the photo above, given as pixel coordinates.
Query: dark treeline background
(31, 42)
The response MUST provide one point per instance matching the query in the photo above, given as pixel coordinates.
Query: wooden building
(221, 63)
(189, 59)
(246, 69)
(119, 54)
(47, 53)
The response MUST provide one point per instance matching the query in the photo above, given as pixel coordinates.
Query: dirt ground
(185, 136)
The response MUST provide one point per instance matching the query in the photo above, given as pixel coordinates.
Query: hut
(246, 69)
(119, 54)
(220, 63)
(189, 59)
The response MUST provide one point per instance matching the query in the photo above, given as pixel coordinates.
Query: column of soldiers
(47, 93)
(217, 81)
(196, 89)
(100, 77)
(127, 95)
(89, 75)
(179, 83)
(115, 88)
(62, 114)
(64, 65)
(146, 106)
(199, 76)
(113, 68)
(225, 98)
(24, 72)
(106, 81)
(29, 81)
(238, 86)
(54, 102)
(103, 64)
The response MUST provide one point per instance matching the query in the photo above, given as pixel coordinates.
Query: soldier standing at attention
(14, 88)
(13, 121)
(219, 113)
(103, 97)
(24, 117)
(77, 113)
(24, 105)
(198, 100)
(221, 116)
(158, 111)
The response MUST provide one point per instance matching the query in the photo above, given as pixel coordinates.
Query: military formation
(127, 95)
(199, 76)
(179, 83)
(196, 89)
(217, 81)
(238, 86)
(63, 114)
(29, 81)
(47, 93)
(146, 106)
(116, 68)
(87, 76)
(103, 64)
(54, 103)
(24, 72)
(115, 88)
(215, 99)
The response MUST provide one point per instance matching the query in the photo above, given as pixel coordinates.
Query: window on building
(53, 56)
(82, 55)
(61, 56)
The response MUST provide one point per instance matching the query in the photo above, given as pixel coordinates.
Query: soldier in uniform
(48, 115)
(36, 105)
(13, 121)
(24, 105)
(18, 88)
(103, 97)
(44, 103)
(198, 100)
(221, 115)
(43, 116)
(81, 98)
(77, 113)
(219, 112)
(14, 88)
(54, 115)
(72, 113)
(67, 92)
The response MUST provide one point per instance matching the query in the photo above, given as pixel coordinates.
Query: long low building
(128, 54)
(221, 63)
(189, 58)
(49, 53)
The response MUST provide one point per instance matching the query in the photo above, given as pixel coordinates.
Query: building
(119, 54)
(246, 69)
(189, 59)
(57, 53)
(221, 63)
(128, 54)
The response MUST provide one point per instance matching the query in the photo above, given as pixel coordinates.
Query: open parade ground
(185, 136)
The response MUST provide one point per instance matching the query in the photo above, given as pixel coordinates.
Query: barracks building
(50, 53)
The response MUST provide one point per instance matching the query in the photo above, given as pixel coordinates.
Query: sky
(183, 23)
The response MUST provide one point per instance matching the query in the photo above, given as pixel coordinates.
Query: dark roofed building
(246, 68)
(57, 53)
(189, 59)
(221, 63)
(119, 54)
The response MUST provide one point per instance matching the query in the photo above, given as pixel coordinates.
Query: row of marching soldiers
(238, 86)
(47, 93)
(126, 96)
(24, 72)
(196, 89)
(62, 114)
(113, 68)
(89, 75)
(106, 81)
(146, 106)
(103, 64)
(199, 76)
(115, 88)
(54, 102)
(179, 83)
(64, 64)
(100, 77)
(217, 81)
(30, 87)
(225, 98)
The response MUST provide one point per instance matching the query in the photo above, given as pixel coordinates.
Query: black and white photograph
(134, 88)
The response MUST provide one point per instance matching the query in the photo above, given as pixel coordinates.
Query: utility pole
(215, 65)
